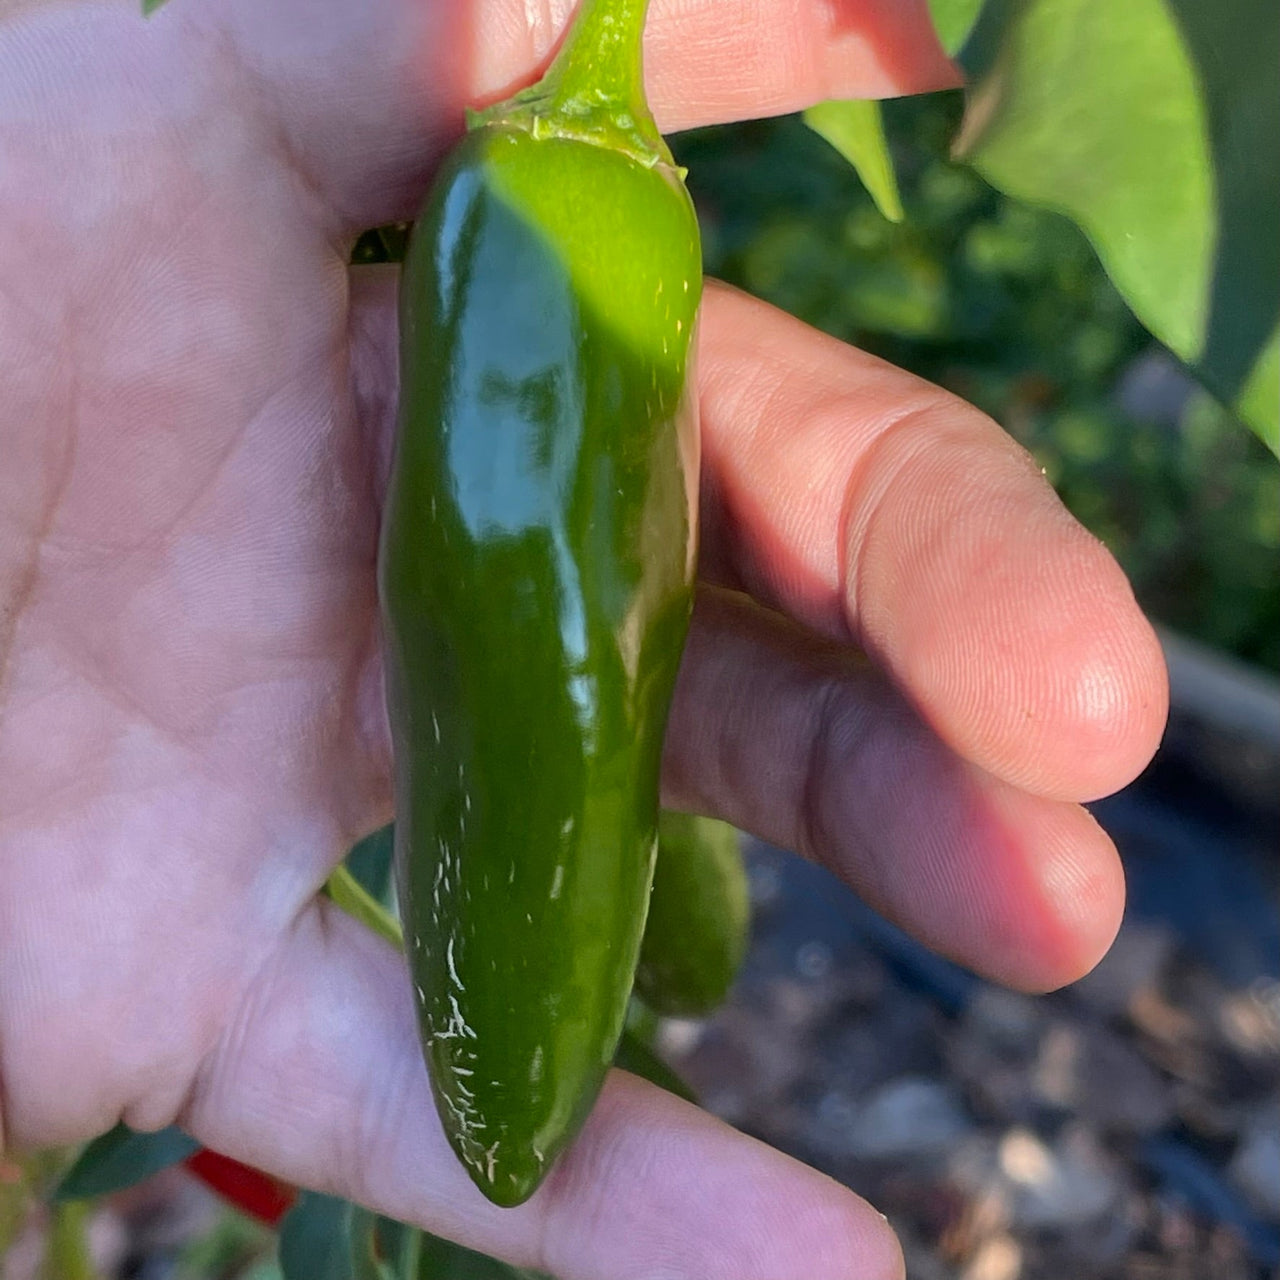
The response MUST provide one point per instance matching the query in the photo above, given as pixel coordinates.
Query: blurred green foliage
(235, 1248)
(1009, 307)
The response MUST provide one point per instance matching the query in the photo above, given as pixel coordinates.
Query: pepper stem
(594, 88)
(600, 62)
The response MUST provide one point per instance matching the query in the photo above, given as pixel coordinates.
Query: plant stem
(347, 893)
(594, 88)
(408, 1263)
(67, 1256)
(601, 60)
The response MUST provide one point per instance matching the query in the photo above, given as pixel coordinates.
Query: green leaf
(635, 1056)
(1093, 109)
(150, 6)
(1259, 402)
(1235, 45)
(444, 1260)
(325, 1238)
(370, 862)
(855, 129)
(395, 240)
(382, 244)
(122, 1158)
(1152, 125)
(401, 1245)
(953, 20)
(642, 1023)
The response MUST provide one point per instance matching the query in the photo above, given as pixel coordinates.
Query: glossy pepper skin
(536, 577)
(696, 933)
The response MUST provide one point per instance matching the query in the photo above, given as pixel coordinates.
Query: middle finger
(801, 742)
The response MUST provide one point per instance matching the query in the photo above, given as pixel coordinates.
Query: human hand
(196, 406)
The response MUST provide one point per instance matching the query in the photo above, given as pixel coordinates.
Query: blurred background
(1129, 1127)
(1008, 306)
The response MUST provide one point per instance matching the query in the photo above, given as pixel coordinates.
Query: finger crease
(3, 1126)
(235, 1027)
(827, 710)
(864, 500)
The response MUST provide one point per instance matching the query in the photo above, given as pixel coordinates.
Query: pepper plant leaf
(1094, 109)
(953, 20)
(855, 128)
(370, 863)
(1235, 45)
(122, 1158)
(325, 1238)
(444, 1260)
(1149, 125)
(635, 1056)
(1257, 402)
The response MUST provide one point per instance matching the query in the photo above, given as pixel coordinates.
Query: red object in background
(250, 1190)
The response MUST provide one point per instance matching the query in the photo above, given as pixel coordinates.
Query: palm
(187, 653)
(195, 401)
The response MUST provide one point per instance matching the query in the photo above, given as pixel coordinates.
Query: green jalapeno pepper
(536, 574)
(696, 933)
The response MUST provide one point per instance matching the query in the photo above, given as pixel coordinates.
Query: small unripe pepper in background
(536, 580)
(697, 930)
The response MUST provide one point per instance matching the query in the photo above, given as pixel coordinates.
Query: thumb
(319, 1080)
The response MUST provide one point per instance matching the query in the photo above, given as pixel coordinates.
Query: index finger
(872, 506)
(374, 92)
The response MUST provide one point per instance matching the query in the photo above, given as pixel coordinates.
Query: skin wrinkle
(20, 701)
(204, 1087)
(318, 202)
(575, 1188)
(521, 34)
(21, 593)
(863, 504)
(813, 587)
(966, 839)
(375, 368)
(363, 703)
(829, 709)
(98, 1104)
(223, 1055)
(335, 854)
(351, 1159)
(158, 536)
(117, 695)
(21, 598)
(863, 740)
(15, 815)
(161, 536)
(543, 28)
(770, 398)
(11, 609)
(383, 1119)
(186, 737)
(367, 715)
